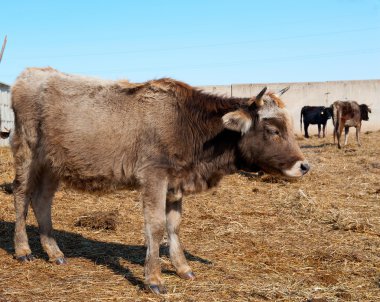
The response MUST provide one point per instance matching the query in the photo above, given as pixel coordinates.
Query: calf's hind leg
(339, 130)
(21, 203)
(346, 130)
(41, 202)
(22, 191)
(306, 126)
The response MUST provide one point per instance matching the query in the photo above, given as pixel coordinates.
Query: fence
(300, 94)
(6, 114)
(314, 94)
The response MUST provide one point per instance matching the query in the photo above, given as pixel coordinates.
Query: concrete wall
(299, 95)
(314, 94)
(6, 113)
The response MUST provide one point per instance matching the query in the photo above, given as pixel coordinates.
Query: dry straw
(252, 239)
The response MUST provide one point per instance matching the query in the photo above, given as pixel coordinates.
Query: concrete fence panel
(316, 94)
(6, 115)
(299, 95)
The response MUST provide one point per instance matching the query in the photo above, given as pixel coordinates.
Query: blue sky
(199, 42)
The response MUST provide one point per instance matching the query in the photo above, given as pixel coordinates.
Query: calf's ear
(238, 120)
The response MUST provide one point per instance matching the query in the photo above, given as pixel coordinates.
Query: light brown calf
(163, 136)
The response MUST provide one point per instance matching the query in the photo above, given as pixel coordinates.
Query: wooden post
(327, 98)
(2, 48)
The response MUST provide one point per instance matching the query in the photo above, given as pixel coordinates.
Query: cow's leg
(324, 129)
(306, 125)
(41, 203)
(22, 186)
(339, 133)
(346, 129)
(358, 135)
(319, 130)
(154, 203)
(173, 220)
(21, 203)
(334, 133)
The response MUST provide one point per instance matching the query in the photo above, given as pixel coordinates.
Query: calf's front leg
(154, 203)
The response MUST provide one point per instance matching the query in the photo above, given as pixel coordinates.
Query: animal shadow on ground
(101, 253)
(316, 146)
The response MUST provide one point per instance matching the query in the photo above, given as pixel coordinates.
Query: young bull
(163, 136)
(348, 114)
(315, 115)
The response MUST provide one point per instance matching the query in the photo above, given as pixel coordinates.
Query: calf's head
(364, 110)
(267, 139)
(326, 113)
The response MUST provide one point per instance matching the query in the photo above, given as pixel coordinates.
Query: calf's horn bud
(259, 98)
(282, 91)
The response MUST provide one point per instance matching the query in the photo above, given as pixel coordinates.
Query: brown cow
(348, 114)
(163, 136)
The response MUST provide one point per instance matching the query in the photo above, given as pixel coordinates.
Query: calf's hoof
(188, 276)
(157, 289)
(25, 258)
(60, 261)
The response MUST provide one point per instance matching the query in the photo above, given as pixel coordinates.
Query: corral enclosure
(299, 95)
(6, 113)
(314, 94)
(250, 239)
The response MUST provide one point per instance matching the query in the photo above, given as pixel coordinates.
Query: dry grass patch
(254, 238)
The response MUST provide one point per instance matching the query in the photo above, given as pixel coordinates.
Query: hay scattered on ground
(252, 239)
(98, 221)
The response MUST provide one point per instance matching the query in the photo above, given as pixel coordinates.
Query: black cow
(315, 115)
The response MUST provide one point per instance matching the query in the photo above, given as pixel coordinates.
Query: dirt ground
(251, 239)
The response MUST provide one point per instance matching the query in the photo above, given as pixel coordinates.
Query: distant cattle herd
(344, 114)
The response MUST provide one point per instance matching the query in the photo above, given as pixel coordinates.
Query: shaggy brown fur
(163, 135)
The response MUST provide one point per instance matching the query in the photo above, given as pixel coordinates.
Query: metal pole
(327, 98)
(2, 48)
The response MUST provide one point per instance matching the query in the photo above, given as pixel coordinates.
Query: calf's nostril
(305, 167)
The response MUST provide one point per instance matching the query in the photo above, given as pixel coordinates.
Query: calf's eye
(273, 131)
